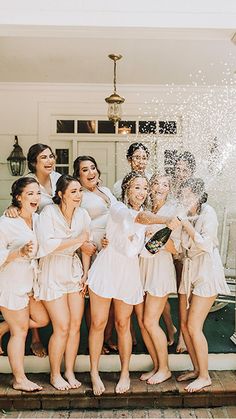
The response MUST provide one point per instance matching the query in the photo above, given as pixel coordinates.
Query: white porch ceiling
(150, 55)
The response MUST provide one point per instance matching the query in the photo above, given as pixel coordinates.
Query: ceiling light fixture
(114, 100)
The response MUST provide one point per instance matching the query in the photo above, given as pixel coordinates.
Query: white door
(104, 154)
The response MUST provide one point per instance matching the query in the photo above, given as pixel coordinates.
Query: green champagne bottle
(158, 240)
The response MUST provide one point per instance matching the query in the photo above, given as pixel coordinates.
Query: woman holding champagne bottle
(158, 278)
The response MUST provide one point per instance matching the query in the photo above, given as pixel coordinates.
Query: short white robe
(16, 277)
(115, 272)
(203, 272)
(60, 272)
(98, 210)
(157, 271)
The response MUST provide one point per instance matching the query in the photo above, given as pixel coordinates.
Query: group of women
(64, 236)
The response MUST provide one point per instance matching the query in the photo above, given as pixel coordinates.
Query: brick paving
(142, 397)
(201, 413)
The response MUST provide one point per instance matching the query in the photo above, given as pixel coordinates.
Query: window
(62, 160)
(167, 127)
(147, 127)
(65, 126)
(86, 127)
(106, 127)
(127, 127)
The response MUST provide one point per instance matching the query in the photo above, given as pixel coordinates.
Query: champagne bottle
(158, 240)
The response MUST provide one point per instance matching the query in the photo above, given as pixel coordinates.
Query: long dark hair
(77, 163)
(17, 188)
(61, 186)
(33, 153)
(126, 183)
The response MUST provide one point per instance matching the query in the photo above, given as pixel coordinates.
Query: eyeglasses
(139, 158)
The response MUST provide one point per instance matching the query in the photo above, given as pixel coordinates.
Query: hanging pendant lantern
(114, 101)
(16, 161)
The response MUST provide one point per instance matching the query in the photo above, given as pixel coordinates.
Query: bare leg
(199, 309)
(154, 307)
(188, 341)
(139, 311)
(18, 321)
(132, 331)
(171, 330)
(4, 328)
(123, 313)
(76, 308)
(38, 314)
(38, 318)
(60, 316)
(181, 346)
(99, 315)
(109, 329)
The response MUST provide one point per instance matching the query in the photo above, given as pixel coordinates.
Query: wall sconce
(16, 161)
(114, 100)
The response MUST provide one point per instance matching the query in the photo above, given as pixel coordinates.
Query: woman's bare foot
(25, 385)
(105, 350)
(198, 384)
(181, 347)
(171, 335)
(112, 347)
(38, 349)
(146, 375)
(59, 383)
(188, 375)
(70, 377)
(97, 384)
(123, 384)
(159, 377)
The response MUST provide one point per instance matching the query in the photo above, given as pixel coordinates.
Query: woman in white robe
(97, 200)
(159, 280)
(62, 229)
(115, 275)
(41, 165)
(137, 157)
(18, 268)
(202, 278)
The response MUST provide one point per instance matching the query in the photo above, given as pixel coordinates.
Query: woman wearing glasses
(137, 156)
